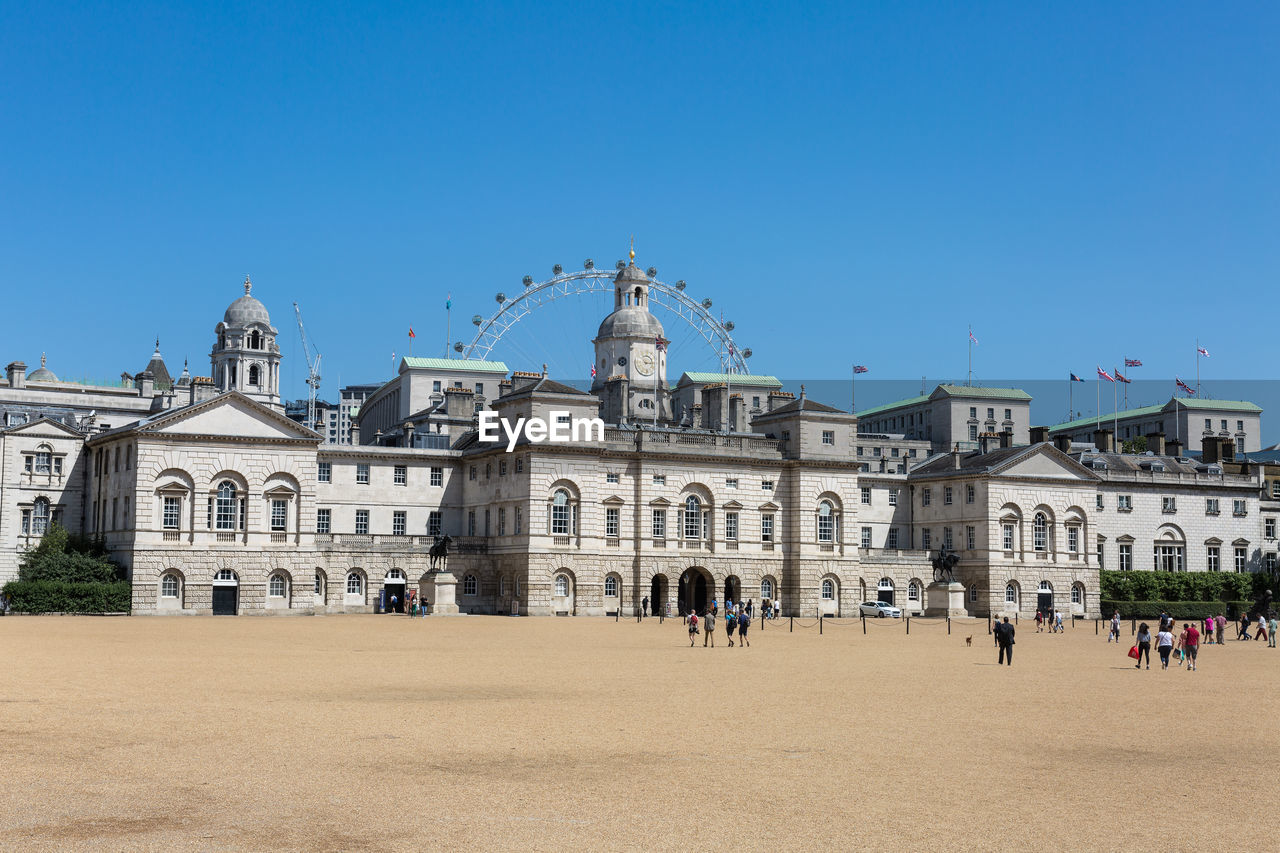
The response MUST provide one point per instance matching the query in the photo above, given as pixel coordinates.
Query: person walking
(1191, 646)
(1180, 647)
(1220, 623)
(644, 606)
(693, 627)
(1242, 633)
(744, 622)
(1208, 630)
(1144, 645)
(1115, 627)
(1039, 621)
(709, 628)
(1271, 628)
(1262, 629)
(750, 609)
(1164, 645)
(730, 622)
(1057, 621)
(1004, 639)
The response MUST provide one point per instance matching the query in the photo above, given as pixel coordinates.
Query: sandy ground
(372, 732)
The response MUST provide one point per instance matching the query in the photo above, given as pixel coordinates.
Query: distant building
(1186, 421)
(954, 415)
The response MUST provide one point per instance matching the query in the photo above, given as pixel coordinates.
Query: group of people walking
(1186, 645)
(737, 617)
(1054, 620)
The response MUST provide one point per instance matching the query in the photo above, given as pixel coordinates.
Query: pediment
(44, 428)
(732, 505)
(1044, 465)
(769, 506)
(613, 500)
(659, 502)
(232, 415)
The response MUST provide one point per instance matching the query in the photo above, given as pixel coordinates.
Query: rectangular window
(926, 538)
(322, 520)
(1101, 551)
(692, 525)
(362, 521)
(172, 512)
(486, 521)
(731, 483)
(435, 386)
(859, 449)
(866, 495)
(877, 451)
(731, 526)
(611, 522)
(766, 527)
(437, 476)
(434, 523)
(973, 432)
(894, 451)
(1126, 556)
(480, 388)
(324, 472)
(926, 496)
(502, 521)
(398, 523)
(502, 467)
(1124, 503)
(1008, 537)
(946, 495)
(973, 411)
(519, 464)
(766, 485)
(893, 539)
(1073, 539)
(1214, 560)
(969, 493)
(969, 537)
(865, 542)
(1210, 506)
(362, 473)
(1239, 507)
(279, 515)
(659, 479)
(1098, 502)
(826, 527)
(828, 436)
(611, 477)
(518, 521)
(1269, 528)
(893, 497)
(1241, 559)
(659, 524)
(991, 414)
(1269, 562)
(1008, 414)
(946, 538)
(1168, 504)
(1239, 426)
(471, 474)
(471, 522)
(401, 475)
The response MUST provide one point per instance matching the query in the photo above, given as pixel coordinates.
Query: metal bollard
(1095, 627)
(948, 626)
(820, 621)
(908, 625)
(793, 624)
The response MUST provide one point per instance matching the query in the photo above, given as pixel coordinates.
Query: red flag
(411, 334)
(1184, 386)
(1102, 374)
(1120, 378)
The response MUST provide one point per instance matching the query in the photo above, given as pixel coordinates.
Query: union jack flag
(971, 337)
(1184, 386)
(593, 371)
(1133, 362)
(1075, 378)
(1102, 374)
(661, 344)
(1120, 378)
(858, 368)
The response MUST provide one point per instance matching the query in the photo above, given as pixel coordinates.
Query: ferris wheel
(512, 309)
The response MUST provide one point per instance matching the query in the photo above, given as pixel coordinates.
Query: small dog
(968, 641)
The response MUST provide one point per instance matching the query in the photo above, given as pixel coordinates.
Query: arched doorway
(226, 593)
(732, 589)
(1044, 598)
(694, 587)
(884, 590)
(393, 587)
(657, 594)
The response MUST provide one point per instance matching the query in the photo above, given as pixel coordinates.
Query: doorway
(732, 589)
(657, 594)
(884, 591)
(693, 591)
(394, 590)
(226, 593)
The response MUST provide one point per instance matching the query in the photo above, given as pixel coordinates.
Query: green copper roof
(1170, 407)
(875, 410)
(985, 393)
(735, 379)
(1092, 420)
(474, 365)
(1221, 405)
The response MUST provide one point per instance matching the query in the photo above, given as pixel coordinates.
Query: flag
(1204, 352)
(1184, 386)
(1120, 378)
(1102, 374)
(662, 345)
(1075, 378)
(1133, 362)
(448, 302)
(971, 337)
(411, 334)
(393, 356)
(593, 371)
(858, 368)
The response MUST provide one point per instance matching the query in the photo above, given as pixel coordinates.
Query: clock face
(644, 364)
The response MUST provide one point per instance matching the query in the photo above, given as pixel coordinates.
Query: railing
(766, 546)
(172, 535)
(659, 543)
(731, 546)
(612, 542)
(226, 537)
(560, 540)
(279, 538)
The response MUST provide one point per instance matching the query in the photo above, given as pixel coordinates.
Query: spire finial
(633, 248)
(248, 285)
(157, 344)
(42, 359)
(801, 392)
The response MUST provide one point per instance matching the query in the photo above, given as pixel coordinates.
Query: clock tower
(631, 366)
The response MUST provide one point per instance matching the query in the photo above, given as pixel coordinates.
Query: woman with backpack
(693, 626)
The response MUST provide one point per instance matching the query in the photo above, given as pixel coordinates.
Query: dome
(631, 273)
(246, 310)
(630, 321)
(42, 373)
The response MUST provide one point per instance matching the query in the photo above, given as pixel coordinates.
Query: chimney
(1209, 450)
(504, 387)
(16, 373)
(1062, 442)
(715, 406)
(1039, 435)
(737, 412)
(1155, 443)
(1104, 440)
(983, 438)
(778, 399)
(955, 457)
(145, 382)
(1174, 446)
(457, 402)
(1226, 450)
(1006, 439)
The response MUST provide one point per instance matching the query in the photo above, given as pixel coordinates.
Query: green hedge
(1188, 610)
(66, 597)
(1183, 587)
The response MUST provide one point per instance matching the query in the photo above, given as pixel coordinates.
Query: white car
(879, 609)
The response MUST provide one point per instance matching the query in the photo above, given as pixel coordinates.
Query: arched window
(913, 591)
(395, 576)
(502, 584)
(1045, 586)
(1077, 594)
(828, 589)
(973, 592)
(1011, 593)
(276, 586)
(1041, 530)
(169, 586)
(225, 575)
(692, 517)
(766, 588)
(355, 584)
(826, 522)
(562, 585)
(560, 513)
(227, 509)
(611, 586)
(40, 517)
(470, 586)
(319, 583)
(255, 342)
(885, 583)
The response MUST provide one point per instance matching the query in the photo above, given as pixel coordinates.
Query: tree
(1134, 445)
(69, 559)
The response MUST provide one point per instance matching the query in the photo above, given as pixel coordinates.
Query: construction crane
(313, 373)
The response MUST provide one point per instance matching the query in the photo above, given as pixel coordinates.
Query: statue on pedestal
(439, 552)
(944, 565)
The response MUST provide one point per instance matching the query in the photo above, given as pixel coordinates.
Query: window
(318, 584)
(610, 587)
(828, 589)
(946, 538)
(1224, 424)
(471, 474)
(766, 588)
(826, 522)
(562, 586)
(435, 387)
(866, 495)
(1269, 528)
(973, 592)
(487, 512)
(1126, 556)
(480, 388)
(692, 517)
(559, 513)
(1275, 490)
(355, 584)
(169, 586)
(126, 512)
(611, 522)
(1241, 559)
(1210, 506)
(1098, 502)
(400, 476)
(279, 514)
(172, 512)
(1168, 504)
(731, 526)
(362, 473)
(1008, 414)
(973, 411)
(659, 524)
(969, 493)
(227, 506)
(926, 497)
(766, 485)
(1169, 558)
(865, 541)
(362, 521)
(973, 432)
(470, 586)
(488, 471)
(437, 476)
(322, 520)
(892, 544)
(1124, 503)
(786, 435)
(731, 483)
(1208, 424)
(913, 591)
(1073, 539)
(434, 523)
(926, 538)
(946, 495)
(766, 527)
(877, 451)
(1076, 595)
(398, 523)
(611, 477)
(276, 586)
(828, 437)
(1101, 564)
(519, 464)
(1041, 532)
(1239, 507)
(518, 521)
(471, 522)
(659, 479)
(43, 461)
(969, 537)
(1269, 562)
(1011, 594)
(1214, 559)
(324, 472)
(502, 521)
(893, 497)
(859, 449)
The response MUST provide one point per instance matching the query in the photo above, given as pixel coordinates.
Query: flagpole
(1126, 386)
(853, 390)
(1197, 367)
(448, 307)
(1098, 407)
(657, 372)
(970, 379)
(1115, 405)
(1071, 395)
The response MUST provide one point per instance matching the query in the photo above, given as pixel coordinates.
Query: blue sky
(847, 182)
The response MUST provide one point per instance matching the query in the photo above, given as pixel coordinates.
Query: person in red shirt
(1191, 646)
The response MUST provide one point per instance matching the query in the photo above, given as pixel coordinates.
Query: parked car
(879, 609)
